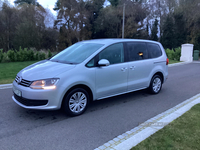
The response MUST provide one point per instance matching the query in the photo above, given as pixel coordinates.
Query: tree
(27, 35)
(24, 26)
(134, 18)
(168, 36)
(49, 39)
(180, 29)
(8, 22)
(57, 5)
(31, 27)
(21, 2)
(154, 31)
(160, 9)
(114, 2)
(73, 18)
(108, 23)
(191, 13)
(30, 2)
(94, 7)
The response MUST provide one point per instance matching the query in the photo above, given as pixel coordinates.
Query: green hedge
(29, 55)
(1, 55)
(174, 54)
(23, 55)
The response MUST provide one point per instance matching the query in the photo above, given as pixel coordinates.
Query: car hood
(44, 70)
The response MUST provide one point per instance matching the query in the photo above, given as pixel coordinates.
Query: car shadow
(58, 115)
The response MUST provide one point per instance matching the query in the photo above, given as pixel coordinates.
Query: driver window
(114, 53)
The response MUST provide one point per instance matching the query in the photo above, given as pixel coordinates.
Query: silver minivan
(91, 70)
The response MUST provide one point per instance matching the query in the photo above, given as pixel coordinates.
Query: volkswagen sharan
(91, 70)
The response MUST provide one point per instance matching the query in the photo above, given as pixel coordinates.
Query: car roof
(112, 41)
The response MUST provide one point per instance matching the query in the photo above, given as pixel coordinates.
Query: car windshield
(76, 53)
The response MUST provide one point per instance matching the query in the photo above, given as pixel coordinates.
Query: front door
(112, 80)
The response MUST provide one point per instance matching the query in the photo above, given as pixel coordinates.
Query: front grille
(29, 102)
(17, 79)
(23, 82)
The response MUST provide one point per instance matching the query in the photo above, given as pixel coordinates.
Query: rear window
(154, 50)
(137, 51)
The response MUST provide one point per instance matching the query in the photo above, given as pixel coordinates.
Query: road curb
(136, 135)
(5, 86)
(178, 64)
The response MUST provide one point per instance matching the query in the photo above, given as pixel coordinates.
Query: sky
(45, 3)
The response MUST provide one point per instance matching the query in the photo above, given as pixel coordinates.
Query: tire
(76, 102)
(155, 85)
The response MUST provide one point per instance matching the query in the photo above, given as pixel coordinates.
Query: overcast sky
(45, 3)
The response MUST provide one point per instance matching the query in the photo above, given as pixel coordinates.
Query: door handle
(124, 69)
(132, 67)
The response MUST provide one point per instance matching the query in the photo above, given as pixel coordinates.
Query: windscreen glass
(76, 53)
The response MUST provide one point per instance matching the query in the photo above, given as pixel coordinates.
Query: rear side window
(137, 51)
(154, 50)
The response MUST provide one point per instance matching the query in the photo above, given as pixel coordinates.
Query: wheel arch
(160, 74)
(85, 87)
(150, 88)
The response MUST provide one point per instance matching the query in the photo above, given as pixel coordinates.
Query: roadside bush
(41, 56)
(36, 57)
(49, 54)
(1, 55)
(5, 57)
(170, 53)
(24, 55)
(30, 55)
(21, 55)
(177, 53)
(11, 55)
(174, 54)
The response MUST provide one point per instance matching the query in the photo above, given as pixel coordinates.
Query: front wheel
(155, 85)
(76, 102)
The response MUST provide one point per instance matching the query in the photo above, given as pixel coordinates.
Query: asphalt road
(103, 121)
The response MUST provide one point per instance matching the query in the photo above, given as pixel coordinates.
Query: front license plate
(17, 92)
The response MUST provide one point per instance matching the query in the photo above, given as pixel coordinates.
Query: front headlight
(45, 84)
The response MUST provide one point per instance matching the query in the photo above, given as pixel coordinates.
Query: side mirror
(103, 62)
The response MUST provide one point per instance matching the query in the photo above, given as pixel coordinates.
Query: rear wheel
(76, 102)
(155, 85)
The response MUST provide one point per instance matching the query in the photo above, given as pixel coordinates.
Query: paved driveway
(104, 120)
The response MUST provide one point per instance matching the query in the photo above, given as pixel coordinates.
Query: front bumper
(37, 98)
(30, 102)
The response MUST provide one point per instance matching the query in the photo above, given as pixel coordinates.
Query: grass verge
(173, 61)
(8, 71)
(182, 134)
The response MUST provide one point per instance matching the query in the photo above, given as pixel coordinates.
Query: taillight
(167, 62)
